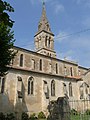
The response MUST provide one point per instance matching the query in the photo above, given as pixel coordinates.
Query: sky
(69, 21)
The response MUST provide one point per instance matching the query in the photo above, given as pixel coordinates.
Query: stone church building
(37, 77)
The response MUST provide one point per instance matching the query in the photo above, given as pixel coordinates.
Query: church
(37, 77)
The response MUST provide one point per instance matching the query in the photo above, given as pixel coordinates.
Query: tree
(6, 37)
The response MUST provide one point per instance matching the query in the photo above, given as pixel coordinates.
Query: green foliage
(87, 112)
(6, 37)
(10, 116)
(74, 112)
(4, 17)
(41, 115)
(2, 116)
(25, 116)
(33, 116)
(6, 43)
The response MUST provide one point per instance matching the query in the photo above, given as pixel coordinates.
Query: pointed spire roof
(43, 23)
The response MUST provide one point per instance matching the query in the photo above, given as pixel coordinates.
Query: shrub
(25, 116)
(74, 112)
(2, 116)
(33, 116)
(41, 115)
(87, 112)
(10, 116)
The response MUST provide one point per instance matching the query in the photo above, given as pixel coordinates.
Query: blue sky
(66, 17)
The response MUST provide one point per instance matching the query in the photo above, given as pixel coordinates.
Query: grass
(77, 117)
(80, 117)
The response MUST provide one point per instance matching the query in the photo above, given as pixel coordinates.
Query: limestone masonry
(37, 77)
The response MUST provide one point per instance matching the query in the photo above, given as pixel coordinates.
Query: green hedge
(41, 115)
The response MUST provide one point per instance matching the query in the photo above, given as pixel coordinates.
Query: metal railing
(79, 109)
(64, 109)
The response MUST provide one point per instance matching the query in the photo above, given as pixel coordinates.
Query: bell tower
(44, 38)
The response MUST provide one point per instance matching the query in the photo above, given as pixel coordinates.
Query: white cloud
(60, 36)
(59, 8)
(74, 39)
(67, 55)
(84, 2)
(76, 47)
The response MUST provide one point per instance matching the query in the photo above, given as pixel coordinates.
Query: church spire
(44, 38)
(43, 23)
(43, 3)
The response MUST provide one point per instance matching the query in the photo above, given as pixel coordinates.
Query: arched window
(86, 88)
(52, 88)
(49, 43)
(79, 72)
(45, 87)
(21, 60)
(19, 87)
(70, 89)
(71, 71)
(33, 64)
(81, 92)
(40, 65)
(50, 67)
(30, 86)
(65, 71)
(47, 54)
(56, 68)
(46, 41)
(2, 84)
(64, 89)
